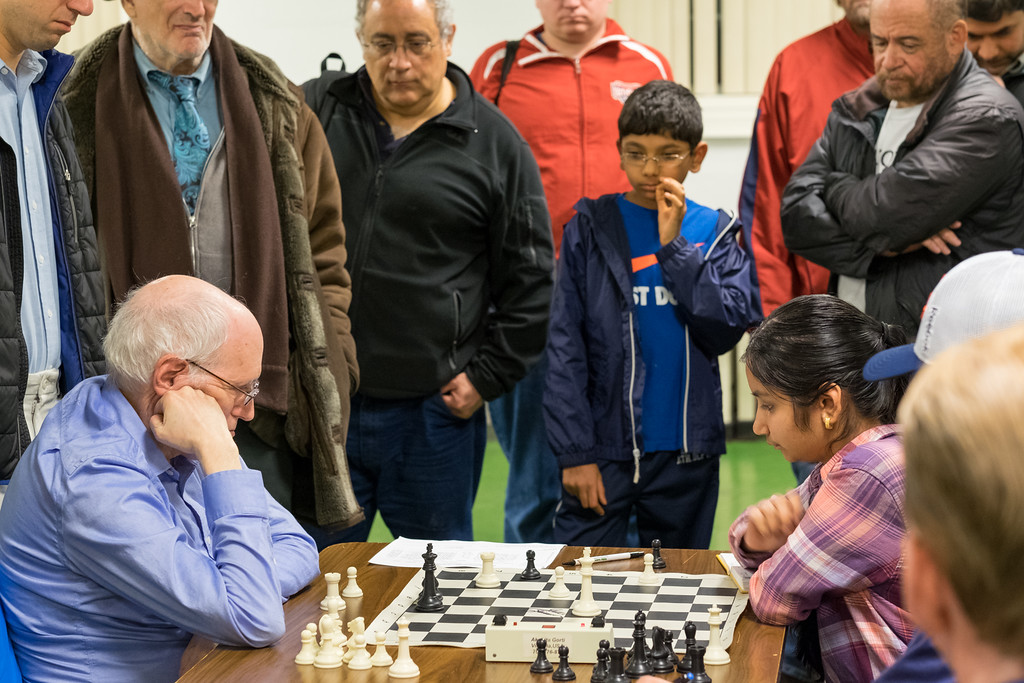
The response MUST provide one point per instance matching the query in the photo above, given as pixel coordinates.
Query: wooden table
(755, 650)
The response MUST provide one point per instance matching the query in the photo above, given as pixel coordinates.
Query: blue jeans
(417, 464)
(673, 501)
(534, 479)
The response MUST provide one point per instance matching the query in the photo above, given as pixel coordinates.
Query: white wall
(298, 34)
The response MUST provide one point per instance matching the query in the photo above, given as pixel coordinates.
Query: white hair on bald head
(444, 16)
(192, 327)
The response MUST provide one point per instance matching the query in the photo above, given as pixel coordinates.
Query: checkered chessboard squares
(468, 609)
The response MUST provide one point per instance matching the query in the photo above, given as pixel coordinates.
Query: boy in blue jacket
(652, 287)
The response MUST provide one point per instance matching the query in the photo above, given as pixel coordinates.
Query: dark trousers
(534, 480)
(674, 501)
(417, 464)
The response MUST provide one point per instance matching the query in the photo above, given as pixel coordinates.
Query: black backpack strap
(511, 48)
(315, 90)
(330, 56)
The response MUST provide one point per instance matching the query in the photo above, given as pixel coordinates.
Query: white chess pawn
(487, 578)
(308, 651)
(649, 578)
(356, 627)
(380, 655)
(330, 654)
(332, 579)
(559, 590)
(360, 659)
(403, 667)
(352, 590)
(585, 606)
(715, 654)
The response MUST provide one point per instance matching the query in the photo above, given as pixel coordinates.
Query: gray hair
(444, 16)
(193, 328)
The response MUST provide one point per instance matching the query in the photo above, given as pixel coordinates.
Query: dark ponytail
(813, 342)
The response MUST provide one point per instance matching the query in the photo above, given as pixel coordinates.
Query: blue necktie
(191, 138)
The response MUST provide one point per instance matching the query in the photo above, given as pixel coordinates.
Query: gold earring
(828, 422)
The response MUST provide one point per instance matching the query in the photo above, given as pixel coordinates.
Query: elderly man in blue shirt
(132, 523)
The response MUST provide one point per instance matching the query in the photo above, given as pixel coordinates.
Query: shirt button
(5, 71)
(35, 205)
(41, 259)
(49, 313)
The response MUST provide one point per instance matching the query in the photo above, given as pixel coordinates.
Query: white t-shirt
(898, 122)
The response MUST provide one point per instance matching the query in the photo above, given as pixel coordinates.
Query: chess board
(468, 609)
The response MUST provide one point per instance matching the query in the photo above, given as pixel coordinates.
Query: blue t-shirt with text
(664, 342)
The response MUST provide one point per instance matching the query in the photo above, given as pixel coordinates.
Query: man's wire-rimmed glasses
(385, 48)
(250, 395)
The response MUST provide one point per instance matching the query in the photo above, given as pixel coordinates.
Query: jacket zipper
(632, 409)
(67, 182)
(457, 308)
(193, 218)
(686, 390)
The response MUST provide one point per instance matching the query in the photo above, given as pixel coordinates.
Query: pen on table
(609, 558)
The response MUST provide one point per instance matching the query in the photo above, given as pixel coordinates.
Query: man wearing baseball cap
(980, 295)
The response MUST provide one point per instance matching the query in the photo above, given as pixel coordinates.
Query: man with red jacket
(562, 85)
(804, 80)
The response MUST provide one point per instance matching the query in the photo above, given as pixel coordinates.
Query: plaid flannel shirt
(844, 559)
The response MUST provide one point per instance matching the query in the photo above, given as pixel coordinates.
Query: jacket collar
(609, 231)
(461, 113)
(857, 47)
(867, 99)
(45, 89)
(538, 49)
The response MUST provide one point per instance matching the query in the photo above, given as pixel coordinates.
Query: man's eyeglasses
(250, 395)
(639, 159)
(385, 48)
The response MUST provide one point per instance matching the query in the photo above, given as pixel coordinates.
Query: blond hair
(964, 439)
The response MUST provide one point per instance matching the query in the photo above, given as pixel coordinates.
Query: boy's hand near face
(671, 198)
(584, 482)
(772, 521)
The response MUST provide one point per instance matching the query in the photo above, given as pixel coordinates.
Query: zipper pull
(636, 465)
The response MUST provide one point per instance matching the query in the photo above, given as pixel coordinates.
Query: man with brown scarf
(232, 182)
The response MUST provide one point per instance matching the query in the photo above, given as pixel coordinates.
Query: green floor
(750, 471)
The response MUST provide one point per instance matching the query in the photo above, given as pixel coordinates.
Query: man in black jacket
(918, 169)
(451, 263)
(51, 296)
(995, 36)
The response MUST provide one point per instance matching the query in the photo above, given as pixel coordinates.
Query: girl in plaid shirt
(829, 552)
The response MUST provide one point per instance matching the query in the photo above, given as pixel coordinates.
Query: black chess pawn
(563, 672)
(638, 665)
(658, 657)
(541, 665)
(659, 561)
(670, 645)
(429, 599)
(697, 672)
(616, 674)
(530, 573)
(500, 620)
(600, 672)
(690, 629)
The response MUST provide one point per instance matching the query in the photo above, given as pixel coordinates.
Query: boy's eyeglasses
(250, 395)
(639, 159)
(384, 48)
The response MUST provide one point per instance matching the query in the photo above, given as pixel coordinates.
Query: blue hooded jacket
(595, 379)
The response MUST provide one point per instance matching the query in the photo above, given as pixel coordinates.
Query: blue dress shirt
(164, 103)
(111, 557)
(19, 127)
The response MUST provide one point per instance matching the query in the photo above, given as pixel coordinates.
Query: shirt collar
(31, 65)
(145, 65)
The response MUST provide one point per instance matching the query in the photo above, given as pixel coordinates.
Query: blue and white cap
(983, 294)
